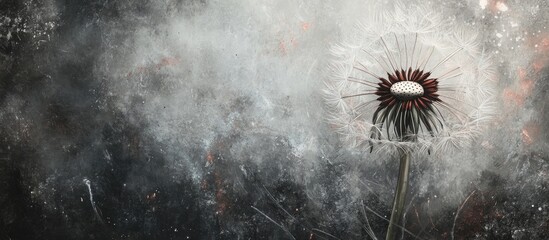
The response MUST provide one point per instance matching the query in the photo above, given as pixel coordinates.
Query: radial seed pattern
(398, 84)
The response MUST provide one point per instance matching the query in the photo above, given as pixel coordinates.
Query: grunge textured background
(198, 119)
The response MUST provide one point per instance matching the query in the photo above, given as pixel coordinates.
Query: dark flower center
(406, 100)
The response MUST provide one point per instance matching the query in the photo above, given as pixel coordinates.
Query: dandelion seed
(87, 182)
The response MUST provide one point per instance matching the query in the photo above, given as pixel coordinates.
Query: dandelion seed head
(409, 79)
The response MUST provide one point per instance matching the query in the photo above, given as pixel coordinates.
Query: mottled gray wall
(204, 119)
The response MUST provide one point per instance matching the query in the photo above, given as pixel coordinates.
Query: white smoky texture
(418, 38)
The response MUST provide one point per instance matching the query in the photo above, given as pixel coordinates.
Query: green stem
(400, 194)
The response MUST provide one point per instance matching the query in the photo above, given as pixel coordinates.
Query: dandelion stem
(400, 194)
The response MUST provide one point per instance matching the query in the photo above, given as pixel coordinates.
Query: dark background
(202, 120)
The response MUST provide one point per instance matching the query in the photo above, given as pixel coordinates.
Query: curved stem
(400, 194)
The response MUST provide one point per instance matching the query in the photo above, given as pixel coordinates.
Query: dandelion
(409, 81)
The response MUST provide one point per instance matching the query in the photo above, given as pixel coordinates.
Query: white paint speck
(483, 3)
(502, 6)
